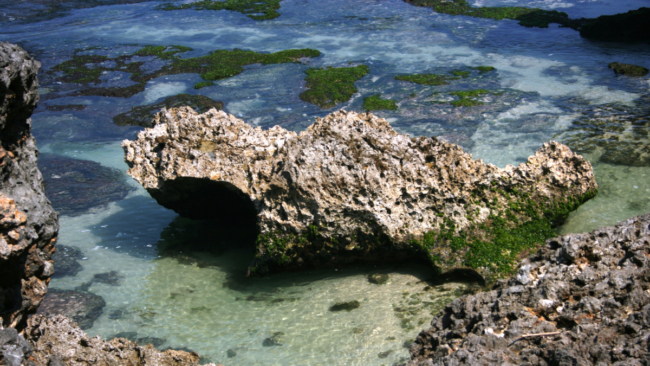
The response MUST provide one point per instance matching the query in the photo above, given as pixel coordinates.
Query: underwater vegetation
(628, 70)
(332, 85)
(219, 64)
(374, 103)
(254, 9)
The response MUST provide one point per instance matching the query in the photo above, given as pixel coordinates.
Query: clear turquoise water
(183, 281)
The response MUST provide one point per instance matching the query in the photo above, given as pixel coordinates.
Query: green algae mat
(254, 9)
(219, 64)
(332, 85)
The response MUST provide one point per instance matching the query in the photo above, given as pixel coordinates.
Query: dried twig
(534, 335)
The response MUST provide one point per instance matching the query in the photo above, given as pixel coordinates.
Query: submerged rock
(627, 69)
(351, 189)
(76, 185)
(110, 278)
(273, 340)
(378, 278)
(28, 224)
(58, 338)
(66, 261)
(347, 306)
(581, 300)
(82, 307)
(142, 116)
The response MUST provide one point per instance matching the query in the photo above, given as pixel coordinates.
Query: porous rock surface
(59, 341)
(28, 224)
(349, 188)
(583, 299)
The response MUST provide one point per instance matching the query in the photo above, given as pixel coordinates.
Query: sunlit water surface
(183, 281)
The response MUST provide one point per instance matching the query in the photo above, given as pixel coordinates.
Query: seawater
(183, 281)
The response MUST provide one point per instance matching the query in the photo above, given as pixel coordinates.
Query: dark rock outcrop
(82, 307)
(583, 299)
(28, 224)
(624, 27)
(352, 189)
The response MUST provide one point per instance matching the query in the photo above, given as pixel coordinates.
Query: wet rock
(347, 306)
(378, 278)
(13, 347)
(65, 261)
(142, 116)
(58, 338)
(273, 340)
(627, 69)
(28, 224)
(582, 299)
(231, 353)
(351, 189)
(75, 185)
(82, 307)
(110, 278)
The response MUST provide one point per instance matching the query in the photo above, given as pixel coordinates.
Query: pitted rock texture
(350, 188)
(583, 299)
(29, 226)
(59, 341)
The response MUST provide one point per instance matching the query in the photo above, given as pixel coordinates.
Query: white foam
(156, 91)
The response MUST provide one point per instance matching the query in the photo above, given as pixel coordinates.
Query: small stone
(231, 353)
(384, 354)
(347, 306)
(274, 340)
(378, 278)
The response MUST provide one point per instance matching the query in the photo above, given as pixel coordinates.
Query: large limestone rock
(28, 224)
(350, 188)
(583, 299)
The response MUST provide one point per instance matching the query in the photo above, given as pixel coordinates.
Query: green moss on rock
(329, 86)
(465, 102)
(628, 70)
(374, 102)
(484, 69)
(461, 73)
(254, 9)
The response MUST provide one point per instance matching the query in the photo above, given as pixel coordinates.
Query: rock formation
(28, 224)
(583, 299)
(350, 188)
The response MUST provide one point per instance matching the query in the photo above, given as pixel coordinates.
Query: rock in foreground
(350, 188)
(28, 224)
(59, 341)
(583, 299)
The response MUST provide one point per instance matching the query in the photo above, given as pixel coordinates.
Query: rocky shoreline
(582, 299)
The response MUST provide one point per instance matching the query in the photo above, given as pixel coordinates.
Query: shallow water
(183, 281)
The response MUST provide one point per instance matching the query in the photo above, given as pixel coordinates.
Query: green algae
(460, 73)
(425, 79)
(374, 102)
(470, 93)
(465, 102)
(331, 85)
(219, 64)
(203, 84)
(528, 17)
(628, 69)
(254, 9)
(484, 69)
